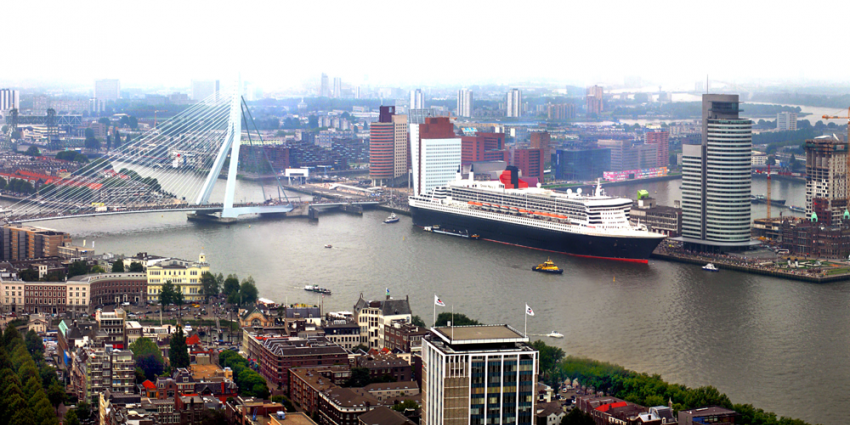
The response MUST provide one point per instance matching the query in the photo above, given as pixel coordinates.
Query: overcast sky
(280, 44)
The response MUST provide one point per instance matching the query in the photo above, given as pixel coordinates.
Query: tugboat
(710, 268)
(797, 209)
(391, 219)
(548, 267)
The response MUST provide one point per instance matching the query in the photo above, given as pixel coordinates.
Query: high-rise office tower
(593, 101)
(9, 99)
(435, 153)
(107, 90)
(388, 141)
(476, 375)
(417, 99)
(786, 121)
(325, 90)
(205, 90)
(337, 87)
(662, 139)
(717, 179)
(464, 103)
(514, 103)
(826, 185)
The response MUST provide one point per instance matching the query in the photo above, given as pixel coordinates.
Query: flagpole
(525, 314)
(453, 322)
(434, 323)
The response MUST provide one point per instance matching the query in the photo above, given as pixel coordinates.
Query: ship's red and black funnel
(510, 178)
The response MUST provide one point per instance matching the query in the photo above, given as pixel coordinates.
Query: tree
(209, 285)
(248, 291)
(28, 275)
(32, 151)
(105, 121)
(78, 268)
(140, 375)
(416, 320)
(359, 378)
(148, 357)
(167, 294)
(178, 352)
(34, 344)
(118, 266)
(56, 395)
(549, 356)
(178, 296)
(97, 269)
(71, 418)
(83, 410)
(231, 285)
(457, 319)
(404, 405)
(771, 160)
(136, 267)
(89, 133)
(92, 144)
(577, 417)
(55, 276)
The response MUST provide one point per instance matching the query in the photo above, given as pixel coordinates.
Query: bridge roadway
(210, 209)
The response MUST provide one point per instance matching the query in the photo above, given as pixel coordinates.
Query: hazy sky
(280, 44)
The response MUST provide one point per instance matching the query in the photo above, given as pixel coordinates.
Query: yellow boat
(547, 267)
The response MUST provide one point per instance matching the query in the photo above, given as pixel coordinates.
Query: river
(778, 344)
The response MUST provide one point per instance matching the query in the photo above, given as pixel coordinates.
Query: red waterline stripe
(628, 260)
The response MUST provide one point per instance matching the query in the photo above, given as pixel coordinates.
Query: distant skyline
(288, 45)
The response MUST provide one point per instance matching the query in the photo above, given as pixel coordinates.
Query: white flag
(438, 301)
(528, 310)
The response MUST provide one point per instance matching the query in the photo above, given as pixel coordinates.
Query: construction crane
(768, 196)
(154, 116)
(847, 154)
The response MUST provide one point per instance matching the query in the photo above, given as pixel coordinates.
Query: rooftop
(384, 416)
(480, 334)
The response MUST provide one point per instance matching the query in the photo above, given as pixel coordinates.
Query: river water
(780, 345)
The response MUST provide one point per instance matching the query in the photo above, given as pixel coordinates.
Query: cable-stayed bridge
(172, 167)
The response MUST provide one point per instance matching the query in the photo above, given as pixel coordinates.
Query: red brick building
(662, 139)
(483, 147)
(403, 336)
(305, 385)
(541, 140)
(529, 161)
(276, 355)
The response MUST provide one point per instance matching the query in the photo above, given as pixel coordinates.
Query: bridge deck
(242, 209)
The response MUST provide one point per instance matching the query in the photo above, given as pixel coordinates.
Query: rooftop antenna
(706, 84)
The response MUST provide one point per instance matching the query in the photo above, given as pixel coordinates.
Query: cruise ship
(510, 212)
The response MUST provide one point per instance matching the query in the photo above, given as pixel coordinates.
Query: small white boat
(328, 246)
(710, 268)
(555, 334)
(391, 219)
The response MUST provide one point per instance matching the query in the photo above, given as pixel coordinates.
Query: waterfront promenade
(770, 267)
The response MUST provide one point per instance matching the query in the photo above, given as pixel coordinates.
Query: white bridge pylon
(172, 167)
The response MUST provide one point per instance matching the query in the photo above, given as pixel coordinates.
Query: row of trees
(641, 388)
(31, 392)
(72, 156)
(17, 185)
(250, 383)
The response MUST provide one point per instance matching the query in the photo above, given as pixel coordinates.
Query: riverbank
(732, 263)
